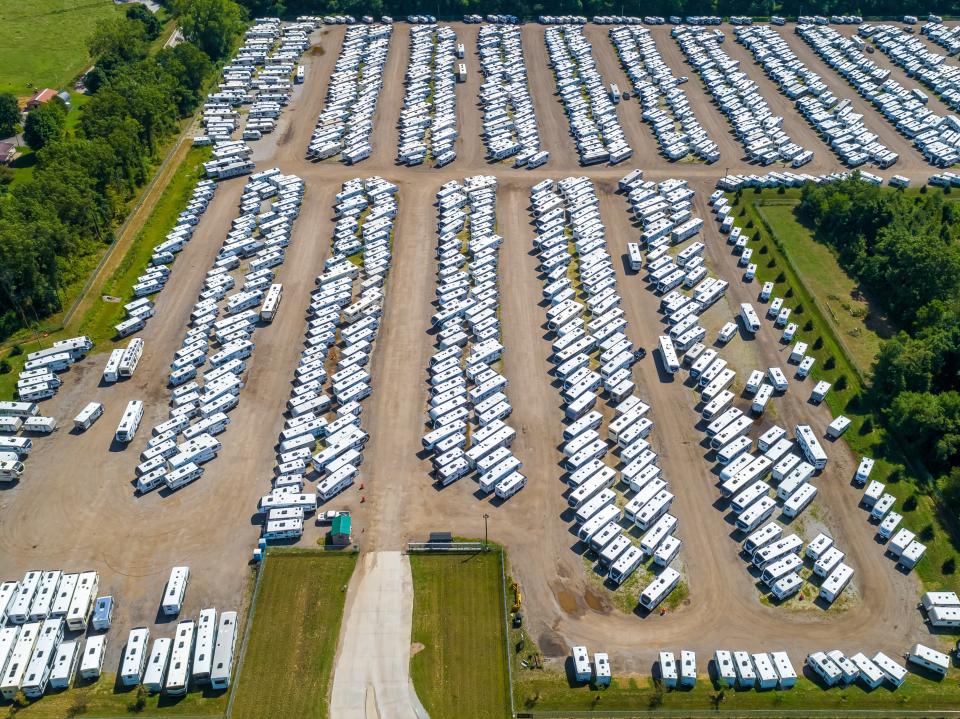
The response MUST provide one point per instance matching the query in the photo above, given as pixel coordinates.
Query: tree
(191, 67)
(151, 25)
(950, 489)
(211, 25)
(121, 39)
(114, 45)
(45, 124)
(9, 114)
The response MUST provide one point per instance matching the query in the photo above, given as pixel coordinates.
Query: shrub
(867, 426)
(140, 701)
(949, 566)
(910, 503)
(830, 363)
(841, 382)
(78, 707)
(817, 343)
(764, 249)
(781, 278)
(17, 350)
(5, 367)
(926, 534)
(808, 327)
(750, 224)
(923, 190)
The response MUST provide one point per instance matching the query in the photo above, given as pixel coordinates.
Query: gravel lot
(75, 508)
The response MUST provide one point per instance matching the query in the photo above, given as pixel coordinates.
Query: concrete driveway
(372, 675)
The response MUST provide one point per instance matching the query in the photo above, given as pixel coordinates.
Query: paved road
(372, 678)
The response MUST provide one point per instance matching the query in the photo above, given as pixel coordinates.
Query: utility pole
(485, 535)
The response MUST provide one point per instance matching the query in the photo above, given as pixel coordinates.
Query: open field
(296, 622)
(45, 41)
(457, 663)
(845, 307)
(213, 524)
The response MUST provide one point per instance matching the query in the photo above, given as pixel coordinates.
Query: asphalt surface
(75, 508)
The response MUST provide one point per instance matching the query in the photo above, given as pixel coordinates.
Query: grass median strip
(288, 663)
(458, 666)
(547, 691)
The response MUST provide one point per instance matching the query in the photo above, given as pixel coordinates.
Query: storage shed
(340, 529)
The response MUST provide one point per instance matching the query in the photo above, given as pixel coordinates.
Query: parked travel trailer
(130, 421)
(175, 590)
(156, 667)
(224, 650)
(178, 672)
(134, 656)
(88, 415)
(91, 661)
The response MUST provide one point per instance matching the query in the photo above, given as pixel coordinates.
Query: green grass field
(460, 670)
(102, 700)
(296, 624)
(45, 41)
(807, 275)
(853, 319)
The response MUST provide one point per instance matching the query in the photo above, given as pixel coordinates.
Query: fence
(456, 547)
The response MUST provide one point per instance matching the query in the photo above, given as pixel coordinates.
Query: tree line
(85, 176)
(527, 9)
(905, 252)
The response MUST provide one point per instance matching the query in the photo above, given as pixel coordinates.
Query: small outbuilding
(340, 529)
(42, 97)
(8, 153)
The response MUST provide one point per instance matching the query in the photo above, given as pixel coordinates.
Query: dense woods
(528, 9)
(84, 178)
(904, 250)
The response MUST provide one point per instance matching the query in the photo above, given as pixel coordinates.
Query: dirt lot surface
(75, 508)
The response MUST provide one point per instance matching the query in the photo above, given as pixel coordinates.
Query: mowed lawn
(458, 668)
(45, 41)
(842, 303)
(288, 664)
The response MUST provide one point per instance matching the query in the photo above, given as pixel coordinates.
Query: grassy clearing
(777, 251)
(45, 41)
(104, 698)
(458, 619)
(296, 624)
(841, 302)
